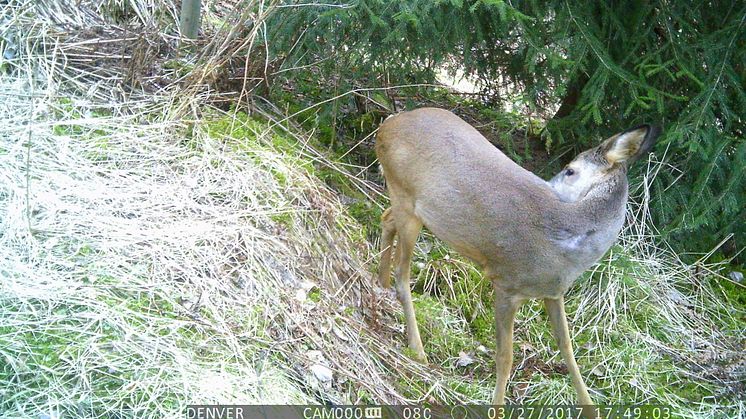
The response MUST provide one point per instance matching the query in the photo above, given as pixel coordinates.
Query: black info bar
(427, 412)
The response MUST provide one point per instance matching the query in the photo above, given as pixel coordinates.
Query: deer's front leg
(505, 309)
(558, 319)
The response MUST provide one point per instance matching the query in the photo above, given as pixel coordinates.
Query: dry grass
(156, 251)
(148, 264)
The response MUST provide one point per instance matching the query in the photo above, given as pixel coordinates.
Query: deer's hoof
(421, 357)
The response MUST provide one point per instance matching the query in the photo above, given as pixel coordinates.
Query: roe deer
(531, 237)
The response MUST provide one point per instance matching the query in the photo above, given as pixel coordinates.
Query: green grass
(618, 358)
(444, 334)
(255, 135)
(56, 352)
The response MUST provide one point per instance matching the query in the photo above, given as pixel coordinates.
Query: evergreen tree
(593, 68)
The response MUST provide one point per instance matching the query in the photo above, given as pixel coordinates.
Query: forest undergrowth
(168, 236)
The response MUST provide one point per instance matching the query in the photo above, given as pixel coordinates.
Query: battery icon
(373, 413)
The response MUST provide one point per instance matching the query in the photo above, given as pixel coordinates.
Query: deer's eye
(569, 172)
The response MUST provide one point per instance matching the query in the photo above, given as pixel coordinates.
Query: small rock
(347, 200)
(425, 247)
(191, 183)
(678, 298)
(526, 347)
(322, 373)
(315, 356)
(9, 53)
(307, 285)
(300, 295)
(588, 346)
(326, 327)
(736, 276)
(339, 334)
(483, 349)
(464, 359)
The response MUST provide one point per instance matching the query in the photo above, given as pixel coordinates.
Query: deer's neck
(603, 204)
(585, 229)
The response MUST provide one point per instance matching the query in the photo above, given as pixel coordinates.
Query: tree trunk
(190, 18)
(570, 101)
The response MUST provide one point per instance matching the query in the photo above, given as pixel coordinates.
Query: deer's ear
(629, 145)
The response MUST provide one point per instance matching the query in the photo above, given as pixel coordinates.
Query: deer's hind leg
(407, 228)
(387, 243)
(505, 308)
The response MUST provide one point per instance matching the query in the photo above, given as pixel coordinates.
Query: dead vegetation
(159, 248)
